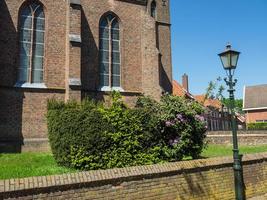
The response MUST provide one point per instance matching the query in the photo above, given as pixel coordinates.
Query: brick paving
(262, 197)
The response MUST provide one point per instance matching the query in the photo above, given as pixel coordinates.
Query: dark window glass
(104, 56)
(26, 22)
(116, 69)
(115, 45)
(104, 23)
(37, 76)
(104, 79)
(39, 24)
(104, 44)
(104, 33)
(115, 34)
(115, 24)
(39, 13)
(110, 17)
(109, 45)
(39, 37)
(115, 81)
(153, 9)
(37, 62)
(32, 27)
(104, 68)
(116, 57)
(25, 48)
(26, 11)
(26, 35)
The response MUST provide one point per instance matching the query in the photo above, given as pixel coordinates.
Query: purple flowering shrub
(178, 126)
(183, 125)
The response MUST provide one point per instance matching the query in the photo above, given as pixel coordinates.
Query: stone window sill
(109, 89)
(30, 85)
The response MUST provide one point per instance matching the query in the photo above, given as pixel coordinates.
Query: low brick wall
(239, 132)
(199, 179)
(244, 137)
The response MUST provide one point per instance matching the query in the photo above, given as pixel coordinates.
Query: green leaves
(257, 126)
(89, 135)
(181, 128)
(238, 104)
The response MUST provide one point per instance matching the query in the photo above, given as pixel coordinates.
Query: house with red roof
(182, 90)
(255, 103)
(216, 114)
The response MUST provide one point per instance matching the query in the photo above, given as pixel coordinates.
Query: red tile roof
(178, 90)
(215, 103)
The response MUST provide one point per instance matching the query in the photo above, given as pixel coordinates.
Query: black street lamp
(229, 60)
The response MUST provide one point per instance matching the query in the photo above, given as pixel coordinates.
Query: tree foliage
(89, 135)
(211, 92)
(238, 104)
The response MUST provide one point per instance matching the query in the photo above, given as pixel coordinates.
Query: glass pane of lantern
(234, 59)
(226, 61)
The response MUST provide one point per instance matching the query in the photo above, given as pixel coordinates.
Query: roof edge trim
(259, 108)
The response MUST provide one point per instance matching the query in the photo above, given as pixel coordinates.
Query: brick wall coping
(239, 135)
(248, 132)
(42, 184)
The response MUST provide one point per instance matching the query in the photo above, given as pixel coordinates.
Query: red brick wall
(23, 114)
(199, 179)
(253, 116)
(59, 24)
(55, 45)
(142, 42)
(131, 19)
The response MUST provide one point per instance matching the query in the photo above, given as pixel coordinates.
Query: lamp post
(229, 59)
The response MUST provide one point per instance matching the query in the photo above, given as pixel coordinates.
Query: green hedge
(257, 126)
(90, 135)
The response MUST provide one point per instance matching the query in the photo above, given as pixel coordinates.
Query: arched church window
(109, 50)
(31, 43)
(153, 8)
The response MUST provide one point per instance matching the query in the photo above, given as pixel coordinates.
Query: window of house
(31, 53)
(153, 11)
(110, 56)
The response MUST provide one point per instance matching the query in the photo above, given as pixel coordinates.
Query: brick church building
(70, 49)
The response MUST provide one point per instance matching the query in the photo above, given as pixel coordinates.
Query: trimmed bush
(180, 126)
(92, 136)
(75, 127)
(257, 126)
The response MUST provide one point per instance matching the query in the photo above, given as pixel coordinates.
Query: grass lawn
(41, 164)
(226, 150)
(29, 164)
